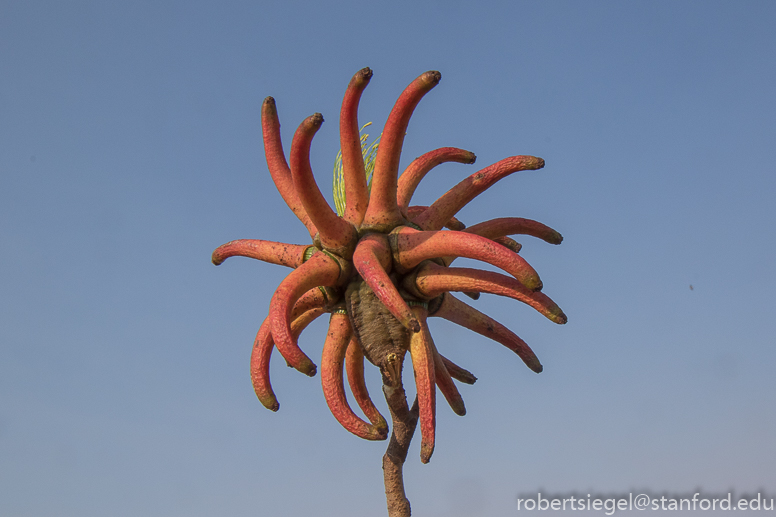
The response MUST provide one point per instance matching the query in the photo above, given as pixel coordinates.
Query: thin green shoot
(368, 151)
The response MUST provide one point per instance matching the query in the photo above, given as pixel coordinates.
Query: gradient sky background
(130, 148)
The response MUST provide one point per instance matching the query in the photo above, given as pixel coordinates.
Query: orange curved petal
(383, 212)
(509, 243)
(354, 175)
(433, 280)
(320, 269)
(314, 298)
(456, 372)
(371, 258)
(435, 217)
(260, 355)
(411, 247)
(305, 313)
(276, 162)
(422, 353)
(416, 210)
(354, 366)
(453, 309)
(417, 170)
(334, 350)
(336, 234)
(291, 255)
(444, 382)
(503, 226)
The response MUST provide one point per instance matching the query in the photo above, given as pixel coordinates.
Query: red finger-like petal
(411, 247)
(453, 309)
(336, 234)
(455, 224)
(276, 162)
(509, 243)
(502, 226)
(354, 175)
(320, 269)
(291, 255)
(422, 355)
(456, 372)
(452, 224)
(314, 298)
(262, 351)
(457, 197)
(445, 383)
(383, 213)
(371, 258)
(417, 170)
(260, 355)
(333, 385)
(433, 280)
(354, 366)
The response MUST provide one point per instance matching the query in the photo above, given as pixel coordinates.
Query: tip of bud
(426, 450)
(534, 284)
(414, 326)
(378, 433)
(268, 106)
(432, 77)
(316, 119)
(309, 369)
(268, 401)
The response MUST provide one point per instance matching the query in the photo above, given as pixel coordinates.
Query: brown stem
(404, 422)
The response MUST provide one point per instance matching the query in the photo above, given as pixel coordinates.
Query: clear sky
(130, 147)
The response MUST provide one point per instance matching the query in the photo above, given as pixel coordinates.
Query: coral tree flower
(381, 267)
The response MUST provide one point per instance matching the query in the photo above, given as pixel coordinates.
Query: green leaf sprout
(368, 151)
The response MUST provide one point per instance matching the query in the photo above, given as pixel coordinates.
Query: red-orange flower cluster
(383, 267)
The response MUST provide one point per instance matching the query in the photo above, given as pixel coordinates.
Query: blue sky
(130, 147)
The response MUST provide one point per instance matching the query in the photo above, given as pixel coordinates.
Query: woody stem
(404, 422)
